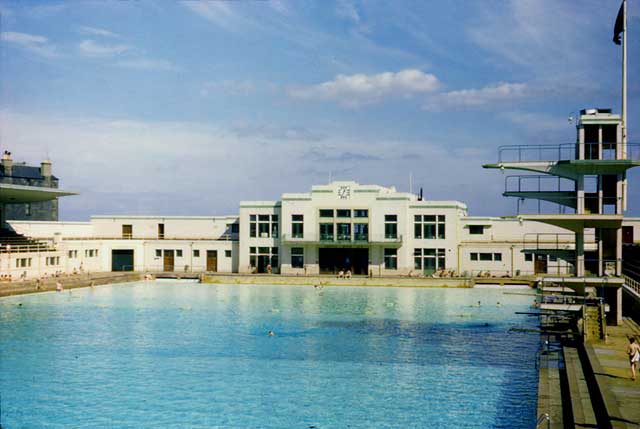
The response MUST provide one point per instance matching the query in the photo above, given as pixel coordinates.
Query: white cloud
(346, 9)
(97, 31)
(496, 93)
(213, 167)
(89, 48)
(148, 64)
(218, 12)
(279, 6)
(39, 45)
(359, 89)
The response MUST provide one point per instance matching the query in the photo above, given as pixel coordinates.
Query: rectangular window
(417, 230)
(196, 253)
(429, 231)
(497, 256)
(476, 229)
(429, 227)
(391, 259)
(274, 250)
(274, 230)
(326, 212)
(474, 256)
(433, 259)
(391, 226)
(158, 253)
(263, 250)
(263, 229)
(70, 254)
(344, 231)
(486, 257)
(361, 213)
(343, 213)
(252, 229)
(179, 253)
(361, 232)
(235, 228)
(127, 231)
(326, 232)
(417, 259)
(227, 253)
(252, 250)
(528, 257)
(297, 257)
(390, 230)
(297, 226)
(274, 218)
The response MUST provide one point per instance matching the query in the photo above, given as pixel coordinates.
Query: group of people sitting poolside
(443, 273)
(342, 274)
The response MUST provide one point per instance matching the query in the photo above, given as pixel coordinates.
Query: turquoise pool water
(188, 355)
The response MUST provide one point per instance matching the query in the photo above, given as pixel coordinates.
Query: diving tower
(585, 182)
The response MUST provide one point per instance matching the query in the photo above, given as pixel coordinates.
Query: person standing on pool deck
(633, 350)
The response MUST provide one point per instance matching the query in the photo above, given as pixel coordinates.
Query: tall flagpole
(624, 100)
(624, 75)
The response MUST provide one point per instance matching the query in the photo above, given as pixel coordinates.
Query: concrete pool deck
(609, 362)
(73, 281)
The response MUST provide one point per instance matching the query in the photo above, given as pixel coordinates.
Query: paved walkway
(611, 367)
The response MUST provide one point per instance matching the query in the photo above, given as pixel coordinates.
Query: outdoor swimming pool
(172, 354)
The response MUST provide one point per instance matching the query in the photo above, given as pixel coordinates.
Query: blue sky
(189, 107)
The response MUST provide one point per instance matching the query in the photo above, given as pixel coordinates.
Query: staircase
(594, 322)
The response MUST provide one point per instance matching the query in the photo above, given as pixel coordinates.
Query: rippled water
(187, 355)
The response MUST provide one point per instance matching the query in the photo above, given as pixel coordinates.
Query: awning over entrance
(15, 194)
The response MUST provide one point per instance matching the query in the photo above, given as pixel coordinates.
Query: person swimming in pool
(271, 333)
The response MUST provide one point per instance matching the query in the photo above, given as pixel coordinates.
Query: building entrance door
(540, 264)
(627, 235)
(335, 259)
(168, 261)
(212, 260)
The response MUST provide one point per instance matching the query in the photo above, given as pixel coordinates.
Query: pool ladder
(541, 420)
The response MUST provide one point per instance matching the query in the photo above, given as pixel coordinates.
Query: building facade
(341, 226)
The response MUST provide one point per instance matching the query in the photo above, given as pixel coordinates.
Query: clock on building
(344, 192)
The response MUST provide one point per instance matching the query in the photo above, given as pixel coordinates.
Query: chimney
(45, 168)
(7, 163)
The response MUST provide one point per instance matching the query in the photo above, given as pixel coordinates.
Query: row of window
(52, 260)
(263, 225)
(429, 227)
(178, 253)
(127, 230)
(429, 260)
(88, 253)
(482, 256)
(23, 262)
(325, 213)
(262, 257)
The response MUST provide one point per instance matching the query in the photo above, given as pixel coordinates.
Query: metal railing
(542, 418)
(559, 204)
(568, 152)
(554, 240)
(538, 183)
(223, 237)
(631, 283)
